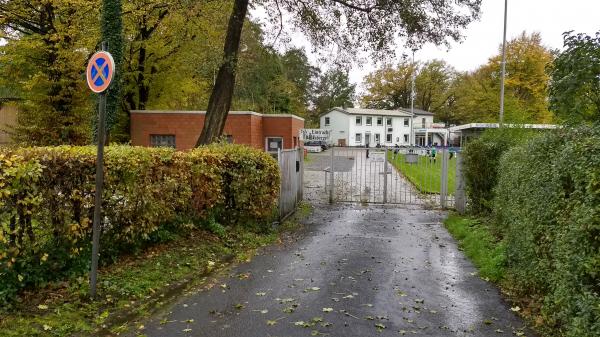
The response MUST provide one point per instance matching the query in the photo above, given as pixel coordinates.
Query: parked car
(324, 145)
(315, 147)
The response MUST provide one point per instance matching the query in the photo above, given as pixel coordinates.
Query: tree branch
(355, 7)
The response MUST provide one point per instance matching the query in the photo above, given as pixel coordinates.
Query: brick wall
(245, 128)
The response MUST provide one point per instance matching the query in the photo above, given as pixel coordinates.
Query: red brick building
(181, 129)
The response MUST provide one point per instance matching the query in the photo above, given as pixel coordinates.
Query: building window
(406, 138)
(358, 120)
(358, 137)
(423, 122)
(388, 121)
(272, 144)
(377, 138)
(162, 141)
(406, 122)
(327, 121)
(379, 121)
(369, 121)
(388, 138)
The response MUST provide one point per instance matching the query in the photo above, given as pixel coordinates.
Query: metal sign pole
(99, 74)
(98, 196)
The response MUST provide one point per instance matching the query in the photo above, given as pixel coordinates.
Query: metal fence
(291, 168)
(411, 176)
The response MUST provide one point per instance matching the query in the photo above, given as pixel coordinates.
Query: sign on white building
(312, 135)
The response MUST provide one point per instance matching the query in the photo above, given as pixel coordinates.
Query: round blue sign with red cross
(100, 71)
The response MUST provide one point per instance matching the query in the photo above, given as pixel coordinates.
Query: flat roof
(200, 112)
(460, 128)
(371, 112)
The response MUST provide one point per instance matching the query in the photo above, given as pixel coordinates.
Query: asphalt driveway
(357, 271)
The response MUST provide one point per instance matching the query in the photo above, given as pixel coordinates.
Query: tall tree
(390, 87)
(346, 24)
(475, 94)
(45, 56)
(575, 85)
(433, 84)
(333, 89)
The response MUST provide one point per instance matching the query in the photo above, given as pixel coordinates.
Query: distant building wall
(242, 127)
(8, 118)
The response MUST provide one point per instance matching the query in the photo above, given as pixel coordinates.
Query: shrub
(481, 157)
(547, 206)
(47, 202)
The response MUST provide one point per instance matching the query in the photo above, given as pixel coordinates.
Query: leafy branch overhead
(373, 25)
(349, 26)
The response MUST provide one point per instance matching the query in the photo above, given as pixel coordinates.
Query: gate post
(460, 198)
(331, 186)
(385, 174)
(444, 182)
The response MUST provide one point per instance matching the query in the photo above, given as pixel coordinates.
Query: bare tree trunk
(222, 93)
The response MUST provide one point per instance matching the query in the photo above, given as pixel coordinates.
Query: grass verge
(136, 286)
(478, 243)
(425, 175)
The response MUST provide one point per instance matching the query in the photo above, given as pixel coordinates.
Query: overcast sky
(482, 38)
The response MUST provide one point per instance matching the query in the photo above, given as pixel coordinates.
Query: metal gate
(291, 168)
(405, 176)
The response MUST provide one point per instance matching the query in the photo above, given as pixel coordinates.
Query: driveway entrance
(381, 176)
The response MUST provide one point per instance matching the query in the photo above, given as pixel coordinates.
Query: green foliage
(475, 96)
(112, 34)
(575, 85)
(391, 87)
(481, 159)
(547, 208)
(43, 60)
(480, 245)
(47, 200)
(333, 89)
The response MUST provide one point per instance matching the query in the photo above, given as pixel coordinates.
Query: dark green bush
(47, 200)
(481, 158)
(547, 207)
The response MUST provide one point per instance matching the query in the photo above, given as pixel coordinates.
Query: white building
(361, 127)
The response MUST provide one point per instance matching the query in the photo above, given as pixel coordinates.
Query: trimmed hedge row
(47, 200)
(547, 208)
(481, 160)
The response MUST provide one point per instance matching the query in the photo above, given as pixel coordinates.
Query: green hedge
(480, 166)
(547, 207)
(47, 200)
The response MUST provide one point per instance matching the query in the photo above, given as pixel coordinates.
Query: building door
(341, 142)
(368, 139)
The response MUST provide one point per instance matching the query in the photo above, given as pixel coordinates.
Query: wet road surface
(357, 271)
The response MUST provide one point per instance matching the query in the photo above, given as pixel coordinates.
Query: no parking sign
(99, 74)
(100, 71)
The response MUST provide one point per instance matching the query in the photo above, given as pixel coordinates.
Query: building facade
(370, 127)
(181, 129)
